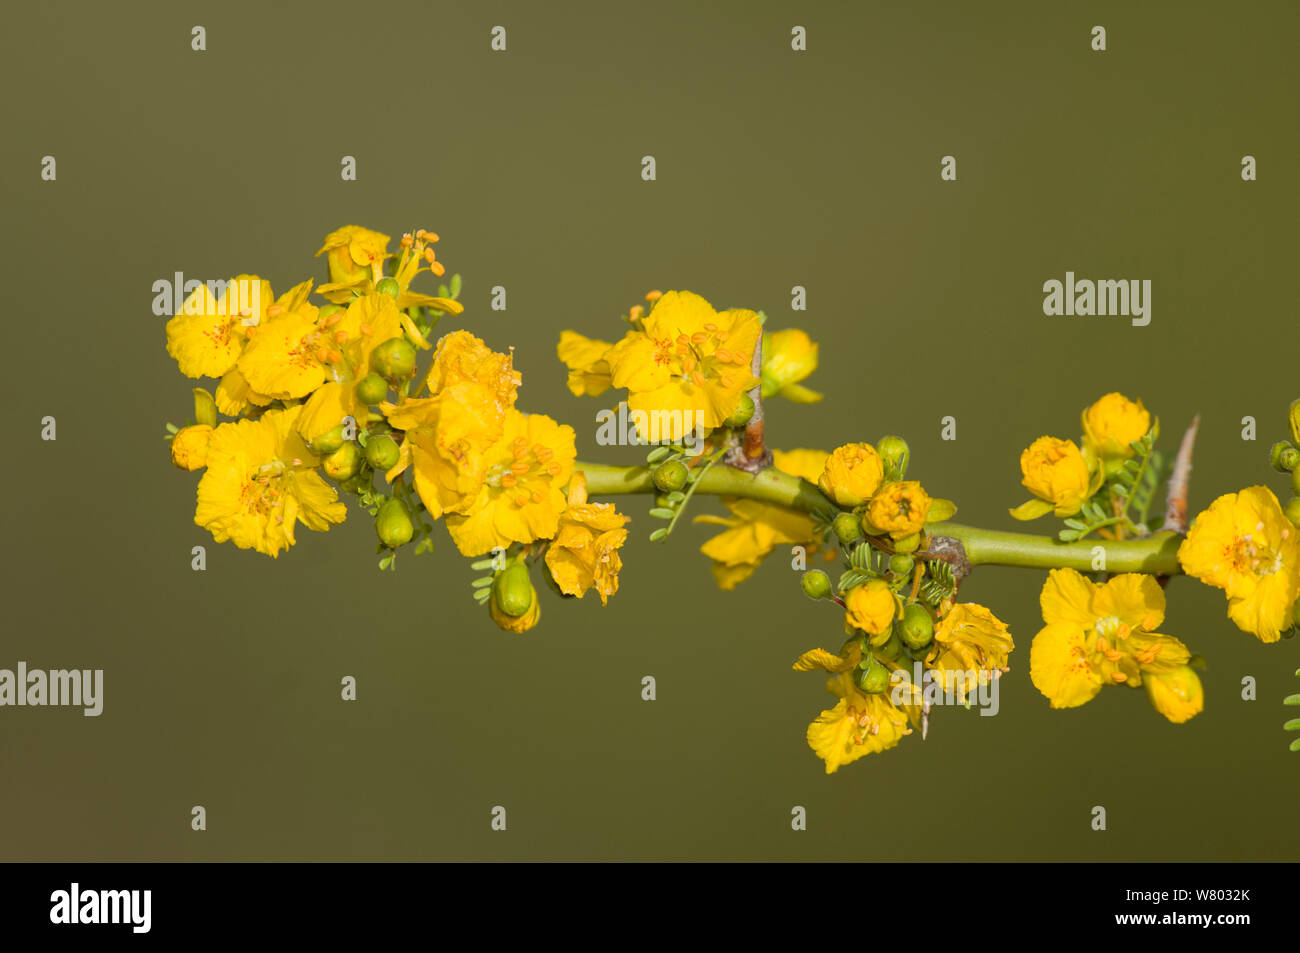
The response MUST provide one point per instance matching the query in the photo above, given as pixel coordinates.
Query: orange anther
(518, 468)
(508, 480)
(697, 379)
(274, 311)
(699, 337)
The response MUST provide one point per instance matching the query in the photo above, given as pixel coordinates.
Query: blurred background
(775, 168)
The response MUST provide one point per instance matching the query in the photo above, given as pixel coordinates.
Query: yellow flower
(861, 722)
(1177, 694)
(757, 529)
(584, 553)
(852, 475)
(207, 335)
(190, 447)
(1100, 635)
(899, 509)
(447, 436)
(368, 322)
(1245, 545)
(789, 356)
(689, 368)
(1058, 474)
(520, 499)
(585, 358)
(1112, 424)
(970, 639)
(871, 607)
(261, 482)
(290, 355)
(354, 254)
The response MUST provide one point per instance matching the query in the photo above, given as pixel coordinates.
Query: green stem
(1157, 553)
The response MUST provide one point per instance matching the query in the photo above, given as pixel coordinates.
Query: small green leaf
(1295, 745)
(660, 513)
(657, 454)
(455, 285)
(1291, 700)
(1068, 535)
(1292, 725)
(661, 533)
(481, 565)
(482, 581)
(1076, 524)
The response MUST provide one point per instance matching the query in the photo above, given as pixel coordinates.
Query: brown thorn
(1180, 481)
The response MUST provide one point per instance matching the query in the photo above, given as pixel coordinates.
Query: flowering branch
(1155, 554)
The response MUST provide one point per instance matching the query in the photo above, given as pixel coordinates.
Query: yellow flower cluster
(1062, 476)
(311, 385)
(686, 366)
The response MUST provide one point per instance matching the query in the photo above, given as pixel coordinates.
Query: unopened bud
(371, 389)
(1292, 511)
(394, 360)
(393, 524)
(816, 584)
(908, 544)
(743, 413)
(1275, 455)
(382, 452)
(388, 286)
(847, 528)
(512, 591)
(902, 564)
(328, 442)
(916, 628)
(894, 454)
(343, 462)
(874, 678)
(670, 476)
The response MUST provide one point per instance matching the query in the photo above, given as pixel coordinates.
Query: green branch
(1157, 553)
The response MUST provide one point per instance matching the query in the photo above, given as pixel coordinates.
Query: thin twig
(1180, 481)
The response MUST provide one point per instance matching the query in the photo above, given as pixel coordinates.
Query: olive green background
(775, 168)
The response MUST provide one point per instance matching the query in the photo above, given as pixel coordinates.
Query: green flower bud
(892, 648)
(1295, 421)
(512, 590)
(670, 476)
(894, 454)
(393, 524)
(343, 462)
(873, 679)
(743, 413)
(394, 360)
(388, 286)
(916, 628)
(908, 544)
(1275, 455)
(1289, 459)
(902, 564)
(1296, 612)
(328, 442)
(1292, 511)
(381, 452)
(371, 389)
(816, 584)
(847, 528)
(1295, 481)
(205, 408)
